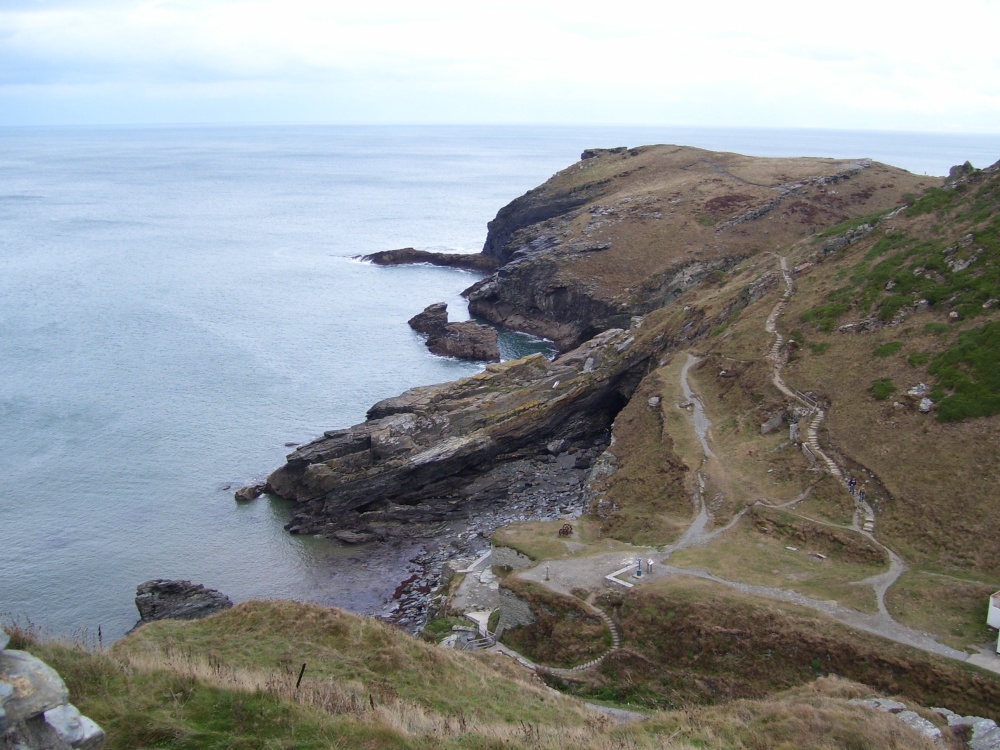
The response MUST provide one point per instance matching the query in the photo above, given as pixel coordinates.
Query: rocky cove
(433, 472)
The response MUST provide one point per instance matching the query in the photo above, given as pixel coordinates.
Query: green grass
(824, 317)
(888, 349)
(933, 199)
(969, 373)
(953, 266)
(882, 388)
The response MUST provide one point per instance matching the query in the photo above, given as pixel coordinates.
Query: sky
(853, 64)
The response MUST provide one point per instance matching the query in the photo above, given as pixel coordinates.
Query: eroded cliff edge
(625, 231)
(432, 442)
(621, 233)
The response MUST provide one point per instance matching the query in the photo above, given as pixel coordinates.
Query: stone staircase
(616, 643)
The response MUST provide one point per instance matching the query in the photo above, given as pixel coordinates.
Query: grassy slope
(690, 641)
(228, 682)
(936, 477)
(660, 206)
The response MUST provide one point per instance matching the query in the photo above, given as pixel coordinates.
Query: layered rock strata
(427, 448)
(163, 599)
(625, 231)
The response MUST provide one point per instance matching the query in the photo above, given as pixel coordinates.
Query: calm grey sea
(177, 304)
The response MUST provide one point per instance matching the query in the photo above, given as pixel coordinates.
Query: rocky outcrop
(163, 599)
(464, 340)
(626, 231)
(430, 445)
(530, 295)
(476, 262)
(35, 712)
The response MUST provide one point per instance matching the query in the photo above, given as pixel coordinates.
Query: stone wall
(505, 557)
(514, 611)
(35, 712)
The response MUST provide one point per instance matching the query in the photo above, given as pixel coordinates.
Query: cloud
(857, 61)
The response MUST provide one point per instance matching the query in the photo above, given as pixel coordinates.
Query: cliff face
(619, 234)
(625, 231)
(432, 441)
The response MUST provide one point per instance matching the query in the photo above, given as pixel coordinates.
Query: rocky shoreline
(547, 488)
(576, 260)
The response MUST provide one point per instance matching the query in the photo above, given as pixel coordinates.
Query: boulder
(432, 320)
(464, 340)
(250, 492)
(35, 713)
(163, 599)
(772, 424)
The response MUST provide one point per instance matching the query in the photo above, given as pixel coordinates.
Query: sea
(180, 306)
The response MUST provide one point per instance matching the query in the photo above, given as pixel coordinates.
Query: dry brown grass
(646, 500)
(952, 609)
(540, 540)
(693, 641)
(745, 554)
(694, 191)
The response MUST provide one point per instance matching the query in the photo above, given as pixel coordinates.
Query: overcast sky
(855, 64)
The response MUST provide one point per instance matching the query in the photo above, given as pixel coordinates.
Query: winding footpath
(572, 572)
(882, 623)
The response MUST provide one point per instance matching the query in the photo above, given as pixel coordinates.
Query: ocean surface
(177, 305)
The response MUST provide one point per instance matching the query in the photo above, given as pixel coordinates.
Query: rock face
(465, 340)
(35, 712)
(625, 231)
(434, 442)
(163, 599)
(404, 256)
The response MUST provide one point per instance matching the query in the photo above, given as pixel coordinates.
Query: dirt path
(590, 572)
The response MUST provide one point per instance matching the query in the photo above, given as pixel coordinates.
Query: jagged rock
(959, 171)
(163, 599)
(408, 255)
(772, 424)
(37, 687)
(593, 153)
(433, 319)
(354, 537)
(919, 390)
(250, 492)
(465, 340)
(437, 441)
(925, 405)
(915, 721)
